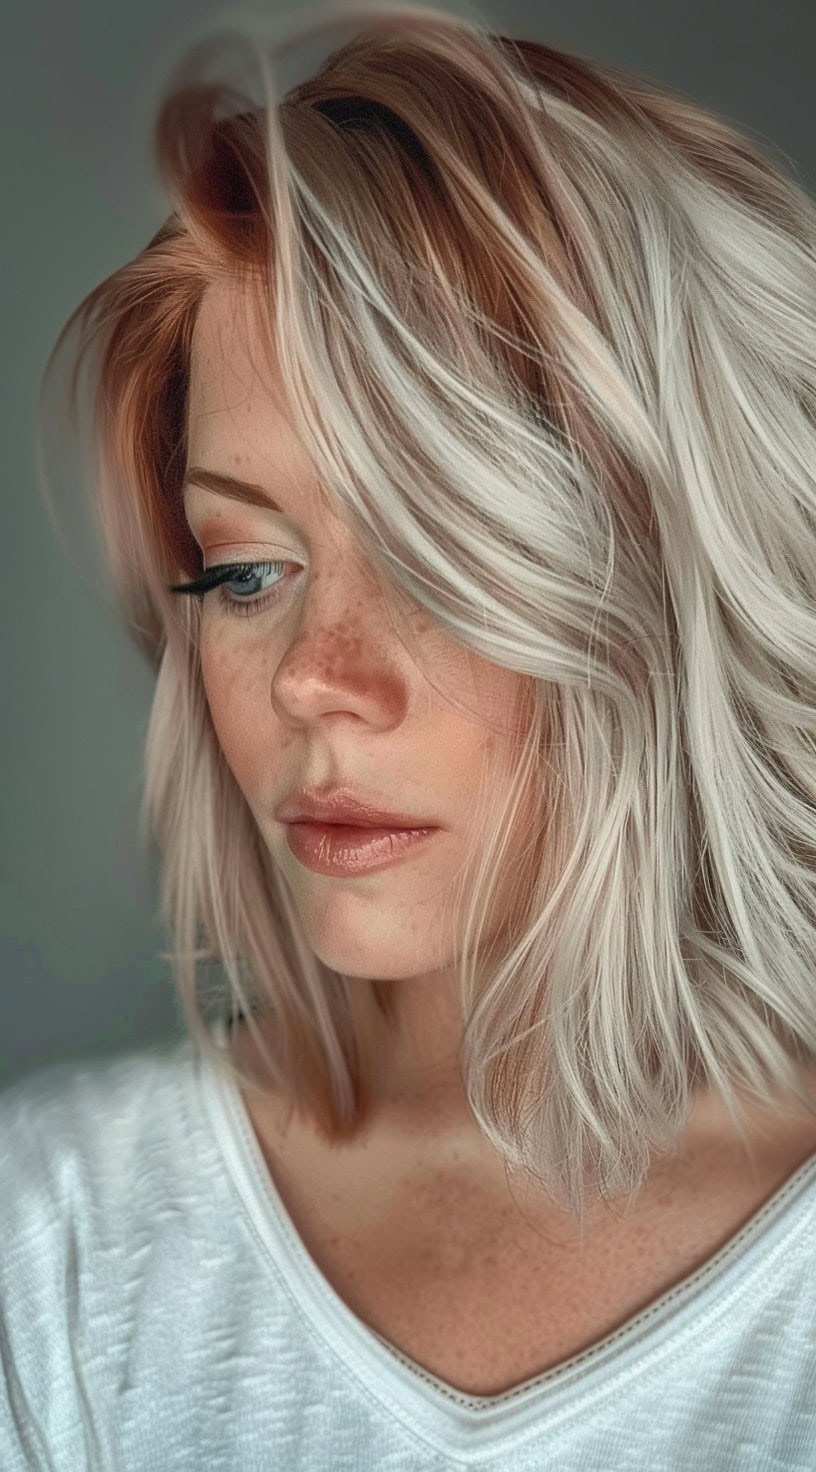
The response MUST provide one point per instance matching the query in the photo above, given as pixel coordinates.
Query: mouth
(343, 807)
(344, 849)
(353, 825)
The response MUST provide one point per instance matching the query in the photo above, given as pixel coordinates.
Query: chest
(502, 1315)
(485, 1293)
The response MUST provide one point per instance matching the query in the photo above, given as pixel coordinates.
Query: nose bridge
(339, 648)
(343, 600)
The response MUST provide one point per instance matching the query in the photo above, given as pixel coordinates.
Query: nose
(343, 659)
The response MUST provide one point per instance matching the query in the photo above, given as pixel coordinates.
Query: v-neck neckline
(444, 1412)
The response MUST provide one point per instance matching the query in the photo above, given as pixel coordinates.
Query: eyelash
(225, 572)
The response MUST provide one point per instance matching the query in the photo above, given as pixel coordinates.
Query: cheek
(243, 719)
(486, 696)
(502, 698)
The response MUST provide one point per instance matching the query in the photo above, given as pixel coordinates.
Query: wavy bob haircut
(549, 337)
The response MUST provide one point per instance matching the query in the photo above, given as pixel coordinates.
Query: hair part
(547, 334)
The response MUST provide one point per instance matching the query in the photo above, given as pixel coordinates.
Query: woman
(455, 438)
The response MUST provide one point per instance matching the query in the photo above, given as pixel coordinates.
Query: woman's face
(317, 689)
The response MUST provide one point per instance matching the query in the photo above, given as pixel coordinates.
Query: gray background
(80, 965)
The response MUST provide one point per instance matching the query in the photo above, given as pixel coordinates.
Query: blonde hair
(549, 336)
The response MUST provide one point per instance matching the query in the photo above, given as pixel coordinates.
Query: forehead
(237, 418)
(229, 363)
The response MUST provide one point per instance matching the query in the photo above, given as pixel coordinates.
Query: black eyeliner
(211, 578)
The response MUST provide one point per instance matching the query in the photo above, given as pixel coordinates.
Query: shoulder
(91, 1153)
(68, 1130)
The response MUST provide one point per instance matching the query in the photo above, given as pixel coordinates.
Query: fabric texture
(160, 1313)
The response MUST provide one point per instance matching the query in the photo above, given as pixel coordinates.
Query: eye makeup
(225, 572)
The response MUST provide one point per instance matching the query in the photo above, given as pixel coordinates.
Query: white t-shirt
(159, 1312)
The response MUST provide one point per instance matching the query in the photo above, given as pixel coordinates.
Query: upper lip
(341, 805)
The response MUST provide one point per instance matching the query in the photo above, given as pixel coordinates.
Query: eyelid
(246, 552)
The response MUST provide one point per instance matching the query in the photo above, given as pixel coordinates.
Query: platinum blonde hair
(549, 337)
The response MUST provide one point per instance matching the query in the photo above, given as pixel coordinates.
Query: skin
(320, 688)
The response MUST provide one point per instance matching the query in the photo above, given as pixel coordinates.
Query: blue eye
(236, 572)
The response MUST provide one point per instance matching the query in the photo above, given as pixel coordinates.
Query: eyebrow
(229, 485)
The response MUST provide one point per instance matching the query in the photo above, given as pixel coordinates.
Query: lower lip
(333, 848)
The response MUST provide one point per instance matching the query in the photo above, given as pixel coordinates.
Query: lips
(347, 853)
(341, 807)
